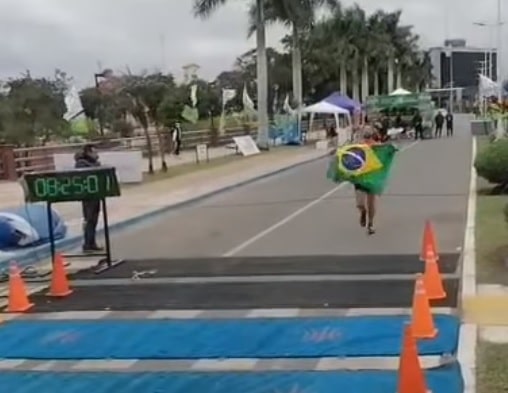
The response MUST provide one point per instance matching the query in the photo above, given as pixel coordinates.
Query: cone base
(59, 294)
(437, 296)
(20, 309)
(426, 336)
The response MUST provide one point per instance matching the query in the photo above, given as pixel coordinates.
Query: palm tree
(203, 9)
(380, 47)
(300, 16)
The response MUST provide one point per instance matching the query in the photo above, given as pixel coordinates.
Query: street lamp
(449, 54)
(499, 56)
(96, 77)
(489, 57)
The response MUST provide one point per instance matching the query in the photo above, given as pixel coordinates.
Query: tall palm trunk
(343, 77)
(391, 66)
(262, 78)
(365, 79)
(296, 60)
(356, 83)
(399, 77)
(376, 82)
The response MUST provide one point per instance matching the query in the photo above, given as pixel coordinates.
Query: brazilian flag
(367, 166)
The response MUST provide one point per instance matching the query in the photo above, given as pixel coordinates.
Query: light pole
(499, 61)
(489, 57)
(450, 63)
(96, 77)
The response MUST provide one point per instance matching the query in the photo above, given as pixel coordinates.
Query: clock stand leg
(108, 262)
(51, 233)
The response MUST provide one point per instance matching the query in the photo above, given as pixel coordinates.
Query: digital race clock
(71, 185)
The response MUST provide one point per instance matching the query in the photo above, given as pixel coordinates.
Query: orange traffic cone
(422, 321)
(410, 377)
(18, 297)
(433, 280)
(59, 283)
(429, 242)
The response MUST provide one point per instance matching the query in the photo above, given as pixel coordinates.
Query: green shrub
(491, 163)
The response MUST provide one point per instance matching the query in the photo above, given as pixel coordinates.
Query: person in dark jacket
(87, 158)
(439, 120)
(449, 124)
(177, 138)
(418, 125)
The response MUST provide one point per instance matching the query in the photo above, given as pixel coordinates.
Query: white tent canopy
(400, 92)
(324, 107)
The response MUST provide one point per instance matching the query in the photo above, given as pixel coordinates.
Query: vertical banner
(227, 95)
(191, 114)
(248, 104)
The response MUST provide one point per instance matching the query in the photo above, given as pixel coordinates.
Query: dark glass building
(457, 65)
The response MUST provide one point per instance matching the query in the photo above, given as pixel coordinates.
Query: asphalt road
(301, 213)
(297, 213)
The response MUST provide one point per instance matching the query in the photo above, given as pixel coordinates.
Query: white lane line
(291, 217)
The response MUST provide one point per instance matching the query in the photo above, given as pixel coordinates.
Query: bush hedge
(491, 163)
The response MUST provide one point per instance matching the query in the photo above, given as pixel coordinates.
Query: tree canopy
(346, 50)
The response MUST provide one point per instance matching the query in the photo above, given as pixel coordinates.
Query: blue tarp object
(27, 226)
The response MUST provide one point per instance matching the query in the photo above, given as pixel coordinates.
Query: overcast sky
(79, 36)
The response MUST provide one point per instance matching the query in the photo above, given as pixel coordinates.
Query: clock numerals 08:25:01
(67, 186)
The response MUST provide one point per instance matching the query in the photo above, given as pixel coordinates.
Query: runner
(366, 201)
(366, 164)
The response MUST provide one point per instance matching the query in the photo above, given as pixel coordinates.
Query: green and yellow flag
(363, 165)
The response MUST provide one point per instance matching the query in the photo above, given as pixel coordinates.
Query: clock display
(72, 185)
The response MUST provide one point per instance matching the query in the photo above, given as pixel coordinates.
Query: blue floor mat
(445, 380)
(193, 339)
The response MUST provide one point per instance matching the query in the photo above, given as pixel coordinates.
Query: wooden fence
(16, 161)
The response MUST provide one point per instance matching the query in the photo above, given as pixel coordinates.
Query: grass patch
(492, 367)
(491, 233)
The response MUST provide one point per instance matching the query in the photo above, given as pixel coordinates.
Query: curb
(38, 254)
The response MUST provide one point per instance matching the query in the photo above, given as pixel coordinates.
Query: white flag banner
(248, 104)
(73, 104)
(487, 87)
(194, 95)
(287, 108)
(227, 95)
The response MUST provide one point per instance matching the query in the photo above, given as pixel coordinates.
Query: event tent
(324, 107)
(400, 92)
(344, 102)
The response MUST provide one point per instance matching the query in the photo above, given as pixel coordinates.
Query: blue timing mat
(194, 339)
(445, 380)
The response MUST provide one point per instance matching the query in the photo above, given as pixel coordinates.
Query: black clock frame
(27, 182)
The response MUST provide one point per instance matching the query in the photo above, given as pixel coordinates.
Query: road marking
(258, 279)
(292, 216)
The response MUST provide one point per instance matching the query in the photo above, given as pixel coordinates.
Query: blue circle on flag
(353, 159)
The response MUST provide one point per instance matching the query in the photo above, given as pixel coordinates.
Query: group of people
(440, 121)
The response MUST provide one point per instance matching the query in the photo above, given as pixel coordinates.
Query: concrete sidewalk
(11, 194)
(137, 201)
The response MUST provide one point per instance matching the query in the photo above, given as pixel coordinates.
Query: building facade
(457, 65)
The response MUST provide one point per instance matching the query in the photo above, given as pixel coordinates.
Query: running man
(366, 201)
